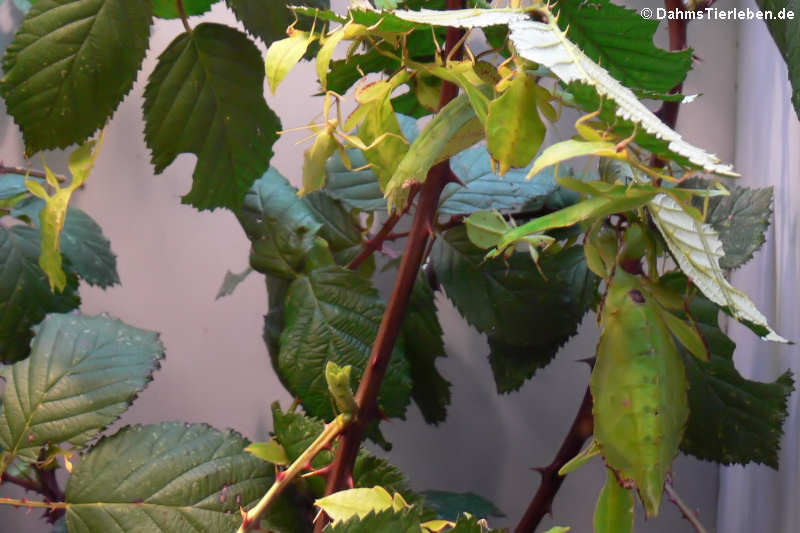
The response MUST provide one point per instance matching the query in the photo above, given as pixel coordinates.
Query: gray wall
(173, 258)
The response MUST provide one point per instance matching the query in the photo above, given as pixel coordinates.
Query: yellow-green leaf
(283, 55)
(558, 152)
(270, 451)
(360, 502)
(514, 130)
(348, 31)
(314, 159)
(54, 212)
(614, 510)
(687, 335)
(581, 459)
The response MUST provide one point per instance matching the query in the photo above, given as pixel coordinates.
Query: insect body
(639, 388)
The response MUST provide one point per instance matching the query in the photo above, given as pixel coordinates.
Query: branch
(376, 242)
(251, 518)
(29, 172)
(30, 504)
(687, 512)
(582, 428)
(341, 473)
(184, 19)
(26, 484)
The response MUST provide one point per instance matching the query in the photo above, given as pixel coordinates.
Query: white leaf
(698, 249)
(546, 44)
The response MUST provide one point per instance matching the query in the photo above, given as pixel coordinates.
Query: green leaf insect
(54, 213)
(614, 510)
(639, 388)
(338, 379)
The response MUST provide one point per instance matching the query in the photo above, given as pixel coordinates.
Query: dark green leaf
(388, 521)
(356, 189)
(296, 432)
(173, 477)
(268, 20)
(83, 373)
(280, 225)
(424, 344)
(60, 526)
(82, 243)
(206, 97)
(333, 314)
(449, 505)
(483, 189)
(621, 41)
(513, 365)
(741, 220)
(511, 301)
(339, 228)
(23, 5)
(168, 9)
(784, 33)
(69, 66)
(274, 320)
(732, 419)
(25, 294)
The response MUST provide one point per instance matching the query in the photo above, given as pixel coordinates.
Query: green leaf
(205, 97)
(514, 129)
(296, 431)
(697, 250)
(784, 33)
(25, 294)
(83, 373)
(483, 189)
(168, 9)
(485, 228)
(622, 41)
(23, 5)
(423, 345)
(268, 20)
(69, 66)
(12, 185)
(424, 151)
(283, 55)
(270, 451)
(614, 510)
(449, 505)
(339, 228)
(343, 505)
(741, 220)
(499, 298)
(280, 226)
(333, 314)
(388, 521)
(639, 388)
(732, 419)
(174, 477)
(82, 242)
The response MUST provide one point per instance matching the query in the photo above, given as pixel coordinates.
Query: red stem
(581, 430)
(26, 484)
(341, 473)
(668, 113)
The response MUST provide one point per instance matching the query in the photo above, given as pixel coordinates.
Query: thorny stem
(686, 511)
(28, 172)
(251, 518)
(184, 18)
(582, 428)
(14, 502)
(341, 473)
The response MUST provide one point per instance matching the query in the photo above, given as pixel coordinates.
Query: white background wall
(172, 260)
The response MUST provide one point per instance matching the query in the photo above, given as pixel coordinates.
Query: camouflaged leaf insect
(639, 387)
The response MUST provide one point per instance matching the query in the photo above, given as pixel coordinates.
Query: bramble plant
(523, 245)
